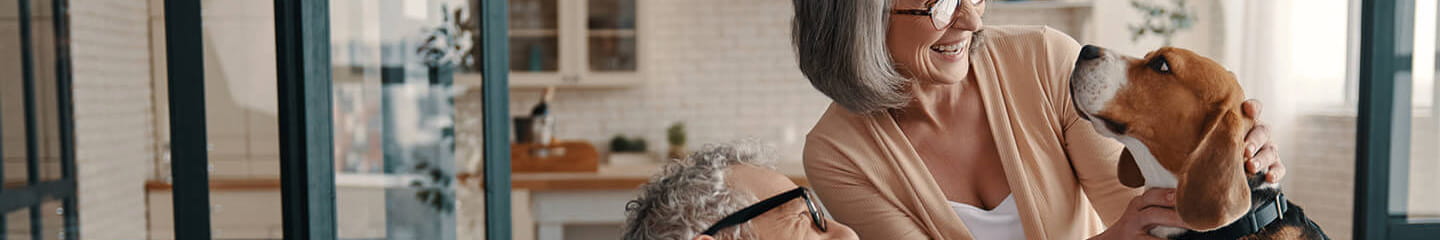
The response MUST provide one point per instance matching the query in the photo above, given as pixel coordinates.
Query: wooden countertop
(606, 178)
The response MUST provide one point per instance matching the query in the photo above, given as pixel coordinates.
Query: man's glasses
(941, 12)
(744, 215)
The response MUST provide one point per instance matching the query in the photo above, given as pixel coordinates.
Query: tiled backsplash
(724, 68)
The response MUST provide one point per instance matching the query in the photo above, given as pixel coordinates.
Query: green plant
(433, 187)
(450, 41)
(1160, 20)
(622, 144)
(676, 134)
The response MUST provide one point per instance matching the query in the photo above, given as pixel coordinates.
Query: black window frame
(1383, 137)
(36, 192)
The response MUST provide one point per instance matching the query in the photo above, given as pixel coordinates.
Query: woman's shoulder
(1027, 38)
(838, 123)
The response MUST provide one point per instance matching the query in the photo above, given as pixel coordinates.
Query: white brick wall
(725, 68)
(114, 115)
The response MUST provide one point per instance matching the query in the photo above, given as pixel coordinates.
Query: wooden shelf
(611, 32)
(534, 33)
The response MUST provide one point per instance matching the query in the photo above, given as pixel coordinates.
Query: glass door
(1397, 191)
(37, 146)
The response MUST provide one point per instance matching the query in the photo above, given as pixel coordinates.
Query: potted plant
(629, 151)
(675, 134)
(447, 45)
(1160, 20)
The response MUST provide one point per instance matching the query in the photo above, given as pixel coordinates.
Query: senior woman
(716, 193)
(943, 128)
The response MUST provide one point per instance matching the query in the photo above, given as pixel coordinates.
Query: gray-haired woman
(943, 128)
(715, 193)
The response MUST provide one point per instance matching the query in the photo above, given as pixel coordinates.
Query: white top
(1000, 223)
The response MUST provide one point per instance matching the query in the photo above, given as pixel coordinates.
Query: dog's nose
(1089, 52)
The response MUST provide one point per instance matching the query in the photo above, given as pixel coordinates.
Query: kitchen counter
(606, 178)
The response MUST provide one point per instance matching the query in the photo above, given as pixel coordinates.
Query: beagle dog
(1179, 116)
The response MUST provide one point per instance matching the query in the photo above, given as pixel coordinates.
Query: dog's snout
(1089, 52)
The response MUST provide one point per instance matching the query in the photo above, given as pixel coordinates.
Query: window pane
(611, 14)
(534, 14)
(17, 224)
(12, 105)
(393, 117)
(1418, 191)
(534, 54)
(612, 50)
(42, 35)
(52, 214)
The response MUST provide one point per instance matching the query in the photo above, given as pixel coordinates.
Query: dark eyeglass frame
(930, 9)
(817, 218)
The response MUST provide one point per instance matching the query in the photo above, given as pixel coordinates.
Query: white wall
(114, 115)
(725, 68)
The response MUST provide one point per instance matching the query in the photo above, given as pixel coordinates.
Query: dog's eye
(1160, 65)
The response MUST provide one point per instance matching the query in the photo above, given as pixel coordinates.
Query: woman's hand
(1260, 153)
(1156, 207)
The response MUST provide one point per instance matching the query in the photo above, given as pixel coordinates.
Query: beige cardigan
(1061, 173)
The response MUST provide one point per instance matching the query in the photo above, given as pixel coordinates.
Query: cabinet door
(610, 36)
(535, 43)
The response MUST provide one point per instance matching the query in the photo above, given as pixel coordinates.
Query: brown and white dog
(1179, 116)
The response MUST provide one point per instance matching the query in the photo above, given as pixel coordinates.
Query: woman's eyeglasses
(941, 12)
(744, 215)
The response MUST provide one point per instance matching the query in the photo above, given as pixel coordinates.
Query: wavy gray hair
(840, 46)
(691, 194)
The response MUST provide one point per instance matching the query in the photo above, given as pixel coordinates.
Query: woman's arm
(851, 198)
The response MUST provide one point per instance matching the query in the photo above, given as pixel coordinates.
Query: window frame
(36, 192)
(1383, 137)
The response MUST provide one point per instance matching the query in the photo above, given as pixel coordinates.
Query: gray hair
(840, 46)
(691, 194)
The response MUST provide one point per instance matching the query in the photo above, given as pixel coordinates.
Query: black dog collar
(1268, 212)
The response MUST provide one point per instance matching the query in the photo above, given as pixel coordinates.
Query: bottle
(542, 121)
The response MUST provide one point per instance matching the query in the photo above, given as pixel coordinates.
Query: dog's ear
(1128, 171)
(1212, 191)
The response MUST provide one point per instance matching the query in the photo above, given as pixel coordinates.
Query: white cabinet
(574, 43)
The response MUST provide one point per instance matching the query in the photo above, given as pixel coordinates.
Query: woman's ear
(1212, 190)
(703, 237)
(1128, 171)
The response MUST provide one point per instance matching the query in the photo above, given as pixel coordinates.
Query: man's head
(693, 194)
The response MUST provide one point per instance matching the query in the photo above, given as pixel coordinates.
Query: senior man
(728, 191)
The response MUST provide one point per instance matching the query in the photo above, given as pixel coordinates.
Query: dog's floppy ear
(1128, 171)
(1212, 191)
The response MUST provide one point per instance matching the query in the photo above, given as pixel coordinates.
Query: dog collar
(1253, 221)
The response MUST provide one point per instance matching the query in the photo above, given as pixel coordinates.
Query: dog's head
(1182, 111)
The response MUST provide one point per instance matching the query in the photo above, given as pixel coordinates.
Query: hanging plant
(449, 42)
(1161, 20)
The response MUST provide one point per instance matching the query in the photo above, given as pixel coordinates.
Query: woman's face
(926, 54)
(789, 221)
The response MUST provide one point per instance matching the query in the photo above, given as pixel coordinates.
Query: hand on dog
(1260, 153)
(1154, 208)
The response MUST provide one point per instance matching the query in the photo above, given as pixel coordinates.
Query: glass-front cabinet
(574, 43)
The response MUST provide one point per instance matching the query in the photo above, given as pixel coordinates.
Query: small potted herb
(629, 151)
(676, 136)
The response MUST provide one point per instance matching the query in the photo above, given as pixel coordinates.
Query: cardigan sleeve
(1093, 157)
(850, 198)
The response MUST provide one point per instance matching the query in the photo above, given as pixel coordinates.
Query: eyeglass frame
(929, 11)
(817, 218)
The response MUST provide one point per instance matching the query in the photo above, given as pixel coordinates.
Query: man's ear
(703, 237)
(1212, 190)
(1128, 171)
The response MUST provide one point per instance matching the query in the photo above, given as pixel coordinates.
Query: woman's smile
(952, 51)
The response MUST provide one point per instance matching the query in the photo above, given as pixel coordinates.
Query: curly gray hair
(691, 194)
